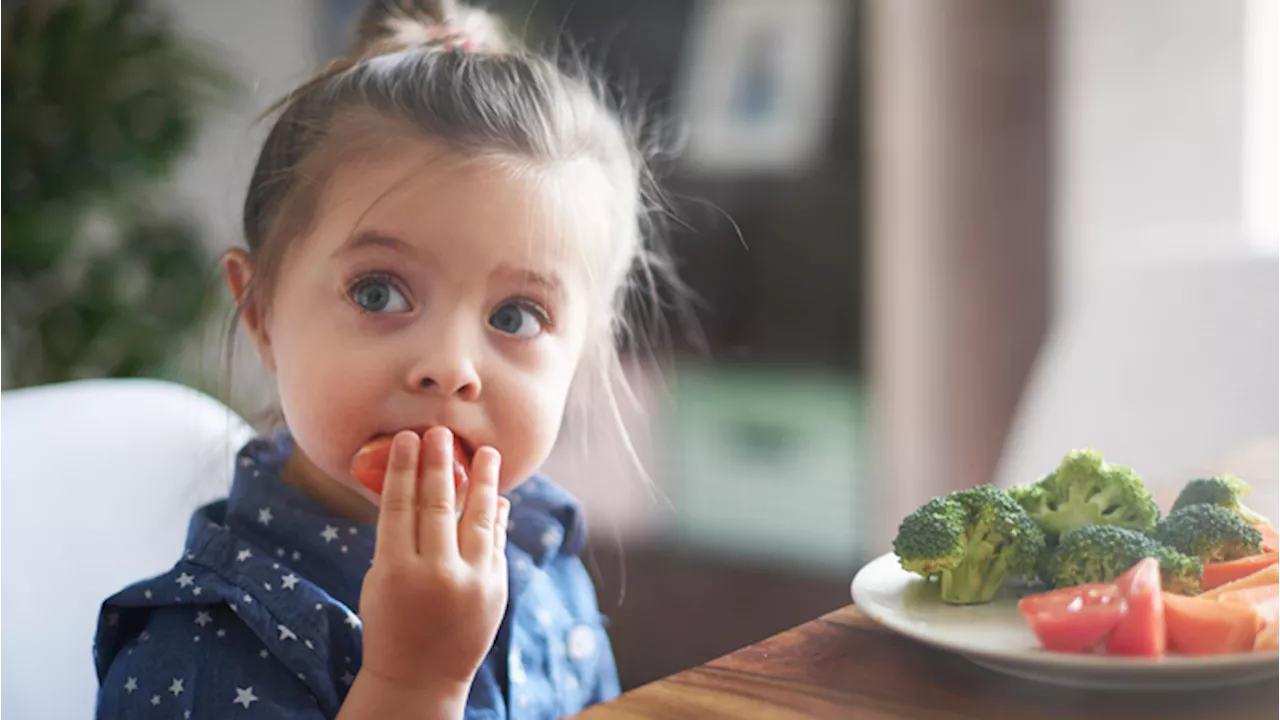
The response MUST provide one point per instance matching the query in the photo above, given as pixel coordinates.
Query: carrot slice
(1220, 573)
(1268, 639)
(1266, 576)
(1264, 601)
(1197, 626)
(1270, 537)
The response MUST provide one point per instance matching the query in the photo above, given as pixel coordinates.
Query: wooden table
(844, 665)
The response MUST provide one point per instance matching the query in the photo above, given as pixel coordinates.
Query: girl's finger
(437, 516)
(397, 516)
(500, 529)
(475, 531)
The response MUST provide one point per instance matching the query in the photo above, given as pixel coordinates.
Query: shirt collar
(268, 512)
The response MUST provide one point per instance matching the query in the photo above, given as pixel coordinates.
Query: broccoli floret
(1179, 573)
(1210, 533)
(1225, 491)
(970, 540)
(1102, 553)
(1086, 490)
(1042, 562)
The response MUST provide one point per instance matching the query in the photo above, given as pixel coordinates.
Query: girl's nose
(449, 377)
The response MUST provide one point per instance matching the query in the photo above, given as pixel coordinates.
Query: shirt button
(582, 642)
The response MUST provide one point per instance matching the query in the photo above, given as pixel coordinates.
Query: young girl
(440, 229)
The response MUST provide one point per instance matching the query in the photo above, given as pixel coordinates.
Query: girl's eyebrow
(373, 238)
(549, 282)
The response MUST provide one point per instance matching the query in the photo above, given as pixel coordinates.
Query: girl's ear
(239, 272)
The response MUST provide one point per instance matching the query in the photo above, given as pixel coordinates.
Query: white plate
(995, 636)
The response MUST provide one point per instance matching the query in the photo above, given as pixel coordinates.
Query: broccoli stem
(977, 578)
(972, 582)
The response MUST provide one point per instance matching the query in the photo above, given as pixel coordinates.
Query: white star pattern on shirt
(155, 699)
(344, 548)
(144, 636)
(352, 620)
(330, 533)
(185, 580)
(309, 644)
(203, 618)
(515, 666)
(297, 555)
(248, 600)
(196, 591)
(582, 642)
(146, 594)
(286, 633)
(352, 530)
(288, 581)
(130, 685)
(262, 653)
(245, 696)
(244, 555)
(222, 632)
(265, 517)
(186, 714)
(176, 687)
(347, 678)
(267, 585)
(544, 616)
(233, 607)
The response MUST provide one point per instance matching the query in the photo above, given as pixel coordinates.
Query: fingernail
(443, 439)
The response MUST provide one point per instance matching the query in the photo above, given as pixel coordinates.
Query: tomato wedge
(369, 466)
(1141, 632)
(1074, 619)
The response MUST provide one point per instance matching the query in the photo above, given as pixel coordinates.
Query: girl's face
(428, 292)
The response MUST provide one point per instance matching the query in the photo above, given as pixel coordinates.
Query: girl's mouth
(369, 466)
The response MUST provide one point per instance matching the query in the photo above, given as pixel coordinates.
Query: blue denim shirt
(260, 618)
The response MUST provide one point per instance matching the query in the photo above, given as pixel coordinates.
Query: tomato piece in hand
(1074, 619)
(369, 466)
(1141, 632)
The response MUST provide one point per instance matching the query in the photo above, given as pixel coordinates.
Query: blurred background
(935, 245)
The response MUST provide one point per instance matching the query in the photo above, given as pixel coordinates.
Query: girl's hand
(435, 595)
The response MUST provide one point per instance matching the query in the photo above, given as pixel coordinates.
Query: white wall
(1151, 114)
(1164, 348)
(269, 47)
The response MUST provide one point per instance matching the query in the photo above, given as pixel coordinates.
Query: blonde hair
(451, 74)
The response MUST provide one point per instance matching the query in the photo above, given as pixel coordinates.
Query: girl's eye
(518, 319)
(378, 295)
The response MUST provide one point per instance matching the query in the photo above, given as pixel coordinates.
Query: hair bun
(391, 25)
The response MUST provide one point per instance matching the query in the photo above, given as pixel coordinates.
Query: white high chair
(99, 478)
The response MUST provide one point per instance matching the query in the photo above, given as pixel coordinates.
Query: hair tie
(450, 38)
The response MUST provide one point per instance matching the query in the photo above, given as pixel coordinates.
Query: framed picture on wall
(758, 86)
